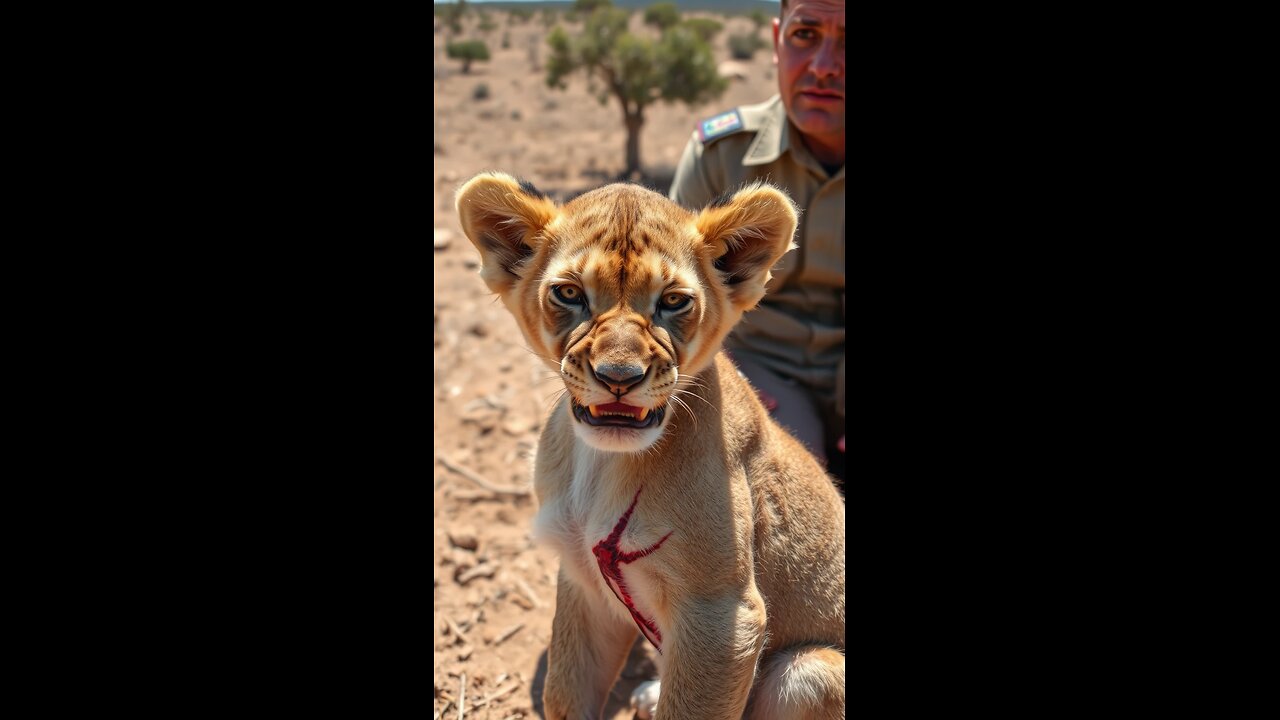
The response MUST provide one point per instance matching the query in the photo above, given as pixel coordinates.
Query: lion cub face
(624, 293)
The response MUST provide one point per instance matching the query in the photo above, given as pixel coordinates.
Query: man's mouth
(822, 94)
(618, 414)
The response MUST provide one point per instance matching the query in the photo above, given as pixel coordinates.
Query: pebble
(464, 536)
(444, 236)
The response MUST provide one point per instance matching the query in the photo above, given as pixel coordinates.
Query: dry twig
(482, 570)
(477, 479)
(462, 700)
(457, 631)
(507, 633)
(528, 592)
(471, 495)
(496, 694)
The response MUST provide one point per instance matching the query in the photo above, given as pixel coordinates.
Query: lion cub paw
(644, 700)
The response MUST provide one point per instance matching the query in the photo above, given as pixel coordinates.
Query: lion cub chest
(609, 543)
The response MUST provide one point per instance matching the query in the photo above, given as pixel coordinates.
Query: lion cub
(680, 510)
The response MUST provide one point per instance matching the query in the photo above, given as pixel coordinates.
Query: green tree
(662, 15)
(704, 28)
(636, 71)
(468, 51)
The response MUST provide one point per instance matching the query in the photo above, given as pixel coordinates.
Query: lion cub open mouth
(619, 415)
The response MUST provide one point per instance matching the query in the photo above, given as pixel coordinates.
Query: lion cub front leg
(711, 658)
(589, 646)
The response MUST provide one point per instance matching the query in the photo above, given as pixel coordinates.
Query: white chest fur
(605, 535)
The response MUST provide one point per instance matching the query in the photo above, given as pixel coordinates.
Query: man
(791, 347)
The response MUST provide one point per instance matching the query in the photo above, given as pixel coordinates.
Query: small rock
(462, 561)
(464, 536)
(443, 237)
(515, 427)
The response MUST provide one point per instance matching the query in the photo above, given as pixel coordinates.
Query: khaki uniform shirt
(797, 330)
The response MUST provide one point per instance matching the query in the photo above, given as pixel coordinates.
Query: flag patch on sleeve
(722, 124)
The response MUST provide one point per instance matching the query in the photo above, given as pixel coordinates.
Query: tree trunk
(634, 121)
(466, 65)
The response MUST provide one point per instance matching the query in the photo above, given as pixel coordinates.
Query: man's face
(808, 48)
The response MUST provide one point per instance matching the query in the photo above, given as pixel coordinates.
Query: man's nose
(618, 378)
(829, 60)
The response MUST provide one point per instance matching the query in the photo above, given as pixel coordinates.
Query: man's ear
(777, 28)
(746, 236)
(502, 218)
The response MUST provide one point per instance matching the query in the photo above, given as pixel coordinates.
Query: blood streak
(610, 559)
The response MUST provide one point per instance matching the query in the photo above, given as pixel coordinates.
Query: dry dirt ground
(494, 592)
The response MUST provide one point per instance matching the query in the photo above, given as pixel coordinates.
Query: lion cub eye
(568, 294)
(673, 301)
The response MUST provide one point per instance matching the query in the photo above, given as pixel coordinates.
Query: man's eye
(674, 301)
(804, 34)
(568, 294)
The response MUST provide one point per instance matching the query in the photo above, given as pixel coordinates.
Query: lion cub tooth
(644, 413)
(595, 412)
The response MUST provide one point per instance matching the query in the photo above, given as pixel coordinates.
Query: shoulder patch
(720, 125)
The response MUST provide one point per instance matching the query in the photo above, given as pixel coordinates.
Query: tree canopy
(633, 69)
(662, 15)
(468, 51)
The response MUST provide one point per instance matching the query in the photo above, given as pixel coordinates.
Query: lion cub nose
(619, 377)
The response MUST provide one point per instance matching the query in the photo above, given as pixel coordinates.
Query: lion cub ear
(502, 218)
(746, 236)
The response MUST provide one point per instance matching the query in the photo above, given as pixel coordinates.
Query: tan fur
(750, 574)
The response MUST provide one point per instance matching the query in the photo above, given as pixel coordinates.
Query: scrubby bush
(705, 28)
(468, 51)
(662, 15)
(742, 46)
(480, 92)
